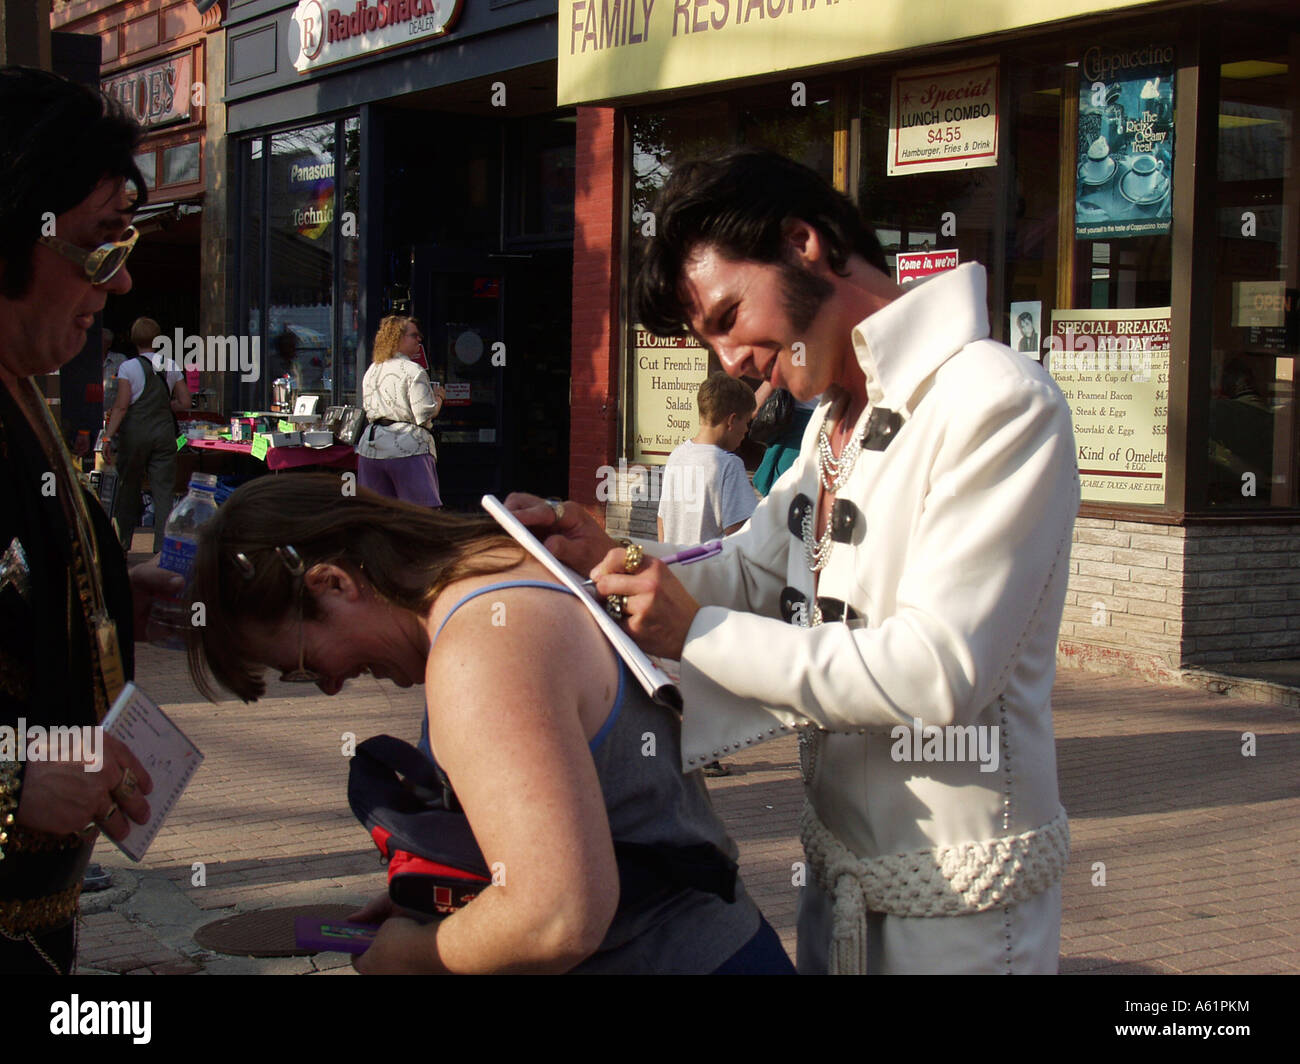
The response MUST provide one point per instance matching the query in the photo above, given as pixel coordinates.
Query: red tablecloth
(338, 455)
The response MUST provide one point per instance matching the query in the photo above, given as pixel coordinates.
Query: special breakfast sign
(944, 118)
(333, 31)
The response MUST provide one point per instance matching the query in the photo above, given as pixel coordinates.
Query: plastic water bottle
(169, 619)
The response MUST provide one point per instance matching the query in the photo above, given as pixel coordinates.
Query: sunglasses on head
(100, 265)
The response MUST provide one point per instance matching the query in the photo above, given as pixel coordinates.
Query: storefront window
(299, 326)
(950, 210)
(796, 119)
(252, 245)
(350, 259)
(1254, 444)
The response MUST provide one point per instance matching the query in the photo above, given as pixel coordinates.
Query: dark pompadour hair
(739, 202)
(58, 140)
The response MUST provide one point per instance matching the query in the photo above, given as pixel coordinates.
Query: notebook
(656, 683)
(166, 754)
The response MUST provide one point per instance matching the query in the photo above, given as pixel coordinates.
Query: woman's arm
(425, 399)
(505, 683)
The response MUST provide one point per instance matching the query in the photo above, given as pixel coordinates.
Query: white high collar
(902, 344)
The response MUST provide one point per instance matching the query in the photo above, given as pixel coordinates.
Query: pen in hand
(683, 557)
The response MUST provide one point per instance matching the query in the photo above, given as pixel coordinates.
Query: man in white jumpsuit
(896, 598)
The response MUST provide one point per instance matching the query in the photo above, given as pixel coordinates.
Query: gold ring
(101, 820)
(127, 787)
(632, 555)
(616, 606)
(557, 508)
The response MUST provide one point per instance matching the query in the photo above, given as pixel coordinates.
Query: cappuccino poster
(1113, 368)
(1125, 154)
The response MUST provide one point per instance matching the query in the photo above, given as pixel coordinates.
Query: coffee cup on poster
(1098, 161)
(1148, 173)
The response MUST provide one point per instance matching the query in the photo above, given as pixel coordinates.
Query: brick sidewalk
(1199, 843)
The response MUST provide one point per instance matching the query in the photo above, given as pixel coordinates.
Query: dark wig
(58, 140)
(739, 203)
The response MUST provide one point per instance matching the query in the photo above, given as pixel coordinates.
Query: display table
(336, 456)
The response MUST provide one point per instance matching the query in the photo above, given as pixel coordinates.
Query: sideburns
(803, 293)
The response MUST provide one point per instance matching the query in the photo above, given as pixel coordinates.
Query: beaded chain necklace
(833, 473)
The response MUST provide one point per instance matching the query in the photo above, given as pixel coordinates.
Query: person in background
(706, 493)
(784, 449)
(67, 607)
(149, 396)
(396, 455)
(112, 363)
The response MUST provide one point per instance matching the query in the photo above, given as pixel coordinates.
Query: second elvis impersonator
(896, 598)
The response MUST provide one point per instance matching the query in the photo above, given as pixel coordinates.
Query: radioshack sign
(334, 31)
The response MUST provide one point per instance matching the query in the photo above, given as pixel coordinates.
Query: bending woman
(534, 718)
(396, 455)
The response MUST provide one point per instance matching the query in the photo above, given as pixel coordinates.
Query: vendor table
(336, 456)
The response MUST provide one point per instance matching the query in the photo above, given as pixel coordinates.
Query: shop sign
(943, 118)
(334, 31)
(913, 265)
(1125, 149)
(1113, 368)
(311, 182)
(667, 374)
(609, 49)
(458, 393)
(155, 95)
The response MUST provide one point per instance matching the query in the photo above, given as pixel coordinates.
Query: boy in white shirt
(704, 492)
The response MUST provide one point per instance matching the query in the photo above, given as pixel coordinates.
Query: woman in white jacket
(396, 454)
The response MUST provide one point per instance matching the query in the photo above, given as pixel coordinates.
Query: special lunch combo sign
(333, 31)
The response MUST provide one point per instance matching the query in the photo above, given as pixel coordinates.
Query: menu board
(668, 372)
(1113, 367)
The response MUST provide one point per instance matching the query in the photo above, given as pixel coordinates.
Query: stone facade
(1155, 599)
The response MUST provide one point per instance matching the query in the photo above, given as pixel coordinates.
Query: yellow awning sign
(609, 49)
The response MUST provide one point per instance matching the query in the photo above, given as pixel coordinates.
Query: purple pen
(684, 557)
(694, 554)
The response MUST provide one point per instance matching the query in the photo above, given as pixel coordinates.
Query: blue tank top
(637, 756)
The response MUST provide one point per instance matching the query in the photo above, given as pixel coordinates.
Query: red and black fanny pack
(435, 866)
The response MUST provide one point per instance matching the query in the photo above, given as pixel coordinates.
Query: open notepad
(165, 752)
(657, 683)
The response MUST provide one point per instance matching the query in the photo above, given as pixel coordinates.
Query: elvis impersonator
(895, 599)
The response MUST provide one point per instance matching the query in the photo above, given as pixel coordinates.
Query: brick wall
(1242, 596)
(593, 399)
(1153, 599)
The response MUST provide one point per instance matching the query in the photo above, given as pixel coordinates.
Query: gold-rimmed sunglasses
(100, 265)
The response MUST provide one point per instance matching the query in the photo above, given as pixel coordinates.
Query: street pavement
(1185, 831)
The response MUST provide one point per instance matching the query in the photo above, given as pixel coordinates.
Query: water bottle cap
(203, 481)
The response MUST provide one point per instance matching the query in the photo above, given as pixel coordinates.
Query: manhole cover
(265, 933)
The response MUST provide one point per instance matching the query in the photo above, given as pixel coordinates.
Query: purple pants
(412, 479)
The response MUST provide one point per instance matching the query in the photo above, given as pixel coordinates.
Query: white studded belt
(970, 877)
